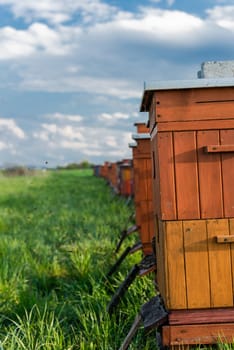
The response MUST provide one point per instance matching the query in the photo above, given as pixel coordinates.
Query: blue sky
(72, 71)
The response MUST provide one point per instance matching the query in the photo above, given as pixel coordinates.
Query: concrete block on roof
(216, 69)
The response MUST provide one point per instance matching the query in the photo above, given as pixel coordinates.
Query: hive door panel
(210, 179)
(231, 227)
(219, 264)
(197, 264)
(161, 258)
(227, 138)
(177, 298)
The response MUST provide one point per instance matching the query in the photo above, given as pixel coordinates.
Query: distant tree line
(72, 166)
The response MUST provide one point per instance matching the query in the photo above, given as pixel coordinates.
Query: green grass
(58, 231)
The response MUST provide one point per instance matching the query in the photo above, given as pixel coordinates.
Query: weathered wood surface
(201, 316)
(186, 175)
(198, 334)
(193, 104)
(194, 270)
(153, 313)
(147, 265)
(142, 166)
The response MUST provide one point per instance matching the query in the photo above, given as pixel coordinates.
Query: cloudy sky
(72, 71)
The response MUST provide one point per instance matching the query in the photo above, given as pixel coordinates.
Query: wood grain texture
(210, 177)
(219, 264)
(186, 174)
(162, 267)
(201, 316)
(219, 148)
(196, 264)
(195, 104)
(198, 334)
(231, 230)
(177, 296)
(196, 125)
(227, 137)
(166, 177)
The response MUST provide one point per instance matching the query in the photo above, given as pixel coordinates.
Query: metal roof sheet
(132, 145)
(141, 136)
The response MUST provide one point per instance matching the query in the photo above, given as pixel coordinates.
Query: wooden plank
(165, 172)
(194, 104)
(196, 264)
(151, 221)
(149, 178)
(186, 175)
(210, 177)
(220, 264)
(144, 222)
(196, 125)
(143, 179)
(227, 137)
(153, 313)
(193, 96)
(219, 148)
(198, 334)
(208, 111)
(225, 239)
(202, 316)
(152, 115)
(161, 260)
(177, 298)
(155, 178)
(231, 230)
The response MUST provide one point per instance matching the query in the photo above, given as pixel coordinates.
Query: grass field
(58, 231)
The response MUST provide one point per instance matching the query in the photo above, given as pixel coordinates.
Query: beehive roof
(154, 86)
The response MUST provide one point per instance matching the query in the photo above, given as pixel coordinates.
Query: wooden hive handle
(218, 148)
(225, 239)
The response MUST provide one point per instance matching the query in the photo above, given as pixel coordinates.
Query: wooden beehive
(192, 133)
(104, 170)
(141, 128)
(113, 176)
(142, 166)
(126, 178)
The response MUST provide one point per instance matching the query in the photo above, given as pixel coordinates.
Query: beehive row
(183, 171)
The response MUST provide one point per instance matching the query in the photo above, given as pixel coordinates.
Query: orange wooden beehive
(104, 170)
(142, 167)
(126, 177)
(192, 133)
(113, 176)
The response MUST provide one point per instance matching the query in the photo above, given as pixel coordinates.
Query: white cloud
(5, 145)
(113, 117)
(223, 16)
(11, 126)
(172, 26)
(53, 131)
(64, 117)
(59, 11)
(107, 58)
(37, 39)
(85, 141)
